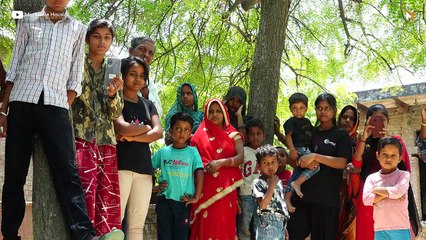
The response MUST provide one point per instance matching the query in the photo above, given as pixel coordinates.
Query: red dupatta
(214, 143)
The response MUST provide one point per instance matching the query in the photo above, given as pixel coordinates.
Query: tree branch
(198, 46)
(303, 76)
(234, 5)
(348, 45)
(112, 9)
(292, 39)
(309, 30)
(386, 18)
(245, 35)
(424, 13)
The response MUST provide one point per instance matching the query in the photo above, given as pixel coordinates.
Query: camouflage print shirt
(94, 111)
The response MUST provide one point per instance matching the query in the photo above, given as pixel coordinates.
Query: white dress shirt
(47, 57)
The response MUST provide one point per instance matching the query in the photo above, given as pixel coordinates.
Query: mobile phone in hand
(377, 122)
(113, 69)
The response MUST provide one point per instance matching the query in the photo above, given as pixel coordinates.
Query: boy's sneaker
(115, 234)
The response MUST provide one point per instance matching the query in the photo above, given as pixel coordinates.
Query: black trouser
(54, 128)
(318, 220)
(172, 219)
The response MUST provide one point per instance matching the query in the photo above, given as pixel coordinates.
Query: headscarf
(215, 143)
(353, 132)
(241, 94)
(209, 137)
(178, 106)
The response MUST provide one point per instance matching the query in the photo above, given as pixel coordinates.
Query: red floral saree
(214, 215)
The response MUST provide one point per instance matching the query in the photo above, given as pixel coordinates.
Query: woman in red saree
(221, 148)
(349, 120)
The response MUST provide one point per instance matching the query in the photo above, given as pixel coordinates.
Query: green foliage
(7, 30)
(201, 42)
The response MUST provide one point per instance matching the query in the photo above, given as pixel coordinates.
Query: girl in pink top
(387, 190)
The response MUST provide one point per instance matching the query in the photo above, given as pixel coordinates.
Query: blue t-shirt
(177, 167)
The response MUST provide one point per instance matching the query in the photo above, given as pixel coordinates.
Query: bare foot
(290, 206)
(296, 188)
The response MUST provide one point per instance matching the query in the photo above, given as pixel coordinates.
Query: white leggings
(135, 193)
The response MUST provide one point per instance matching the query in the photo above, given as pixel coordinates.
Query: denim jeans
(298, 171)
(248, 214)
(271, 226)
(303, 151)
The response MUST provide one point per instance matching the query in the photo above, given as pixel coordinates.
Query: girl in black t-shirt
(138, 126)
(317, 213)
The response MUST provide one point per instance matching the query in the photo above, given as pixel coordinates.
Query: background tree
(267, 62)
(212, 43)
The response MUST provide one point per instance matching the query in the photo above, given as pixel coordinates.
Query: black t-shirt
(324, 187)
(136, 156)
(301, 131)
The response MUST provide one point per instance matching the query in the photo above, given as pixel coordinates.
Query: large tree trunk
(48, 222)
(267, 62)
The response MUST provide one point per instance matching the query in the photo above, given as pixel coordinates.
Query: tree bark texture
(265, 76)
(28, 6)
(48, 222)
(249, 4)
(47, 218)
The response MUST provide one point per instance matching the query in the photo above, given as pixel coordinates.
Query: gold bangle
(423, 124)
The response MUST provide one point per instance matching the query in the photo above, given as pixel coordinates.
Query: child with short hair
(255, 132)
(178, 163)
(282, 173)
(387, 191)
(298, 132)
(269, 194)
(43, 80)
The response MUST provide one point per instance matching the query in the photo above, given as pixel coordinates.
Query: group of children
(266, 206)
(265, 197)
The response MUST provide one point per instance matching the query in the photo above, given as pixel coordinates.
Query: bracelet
(232, 162)
(362, 141)
(424, 124)
(3, 113)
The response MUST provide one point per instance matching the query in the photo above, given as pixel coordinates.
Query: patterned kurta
(94, 111)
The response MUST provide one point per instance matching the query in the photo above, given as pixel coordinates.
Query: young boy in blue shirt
(178, 163)
(43, 80)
